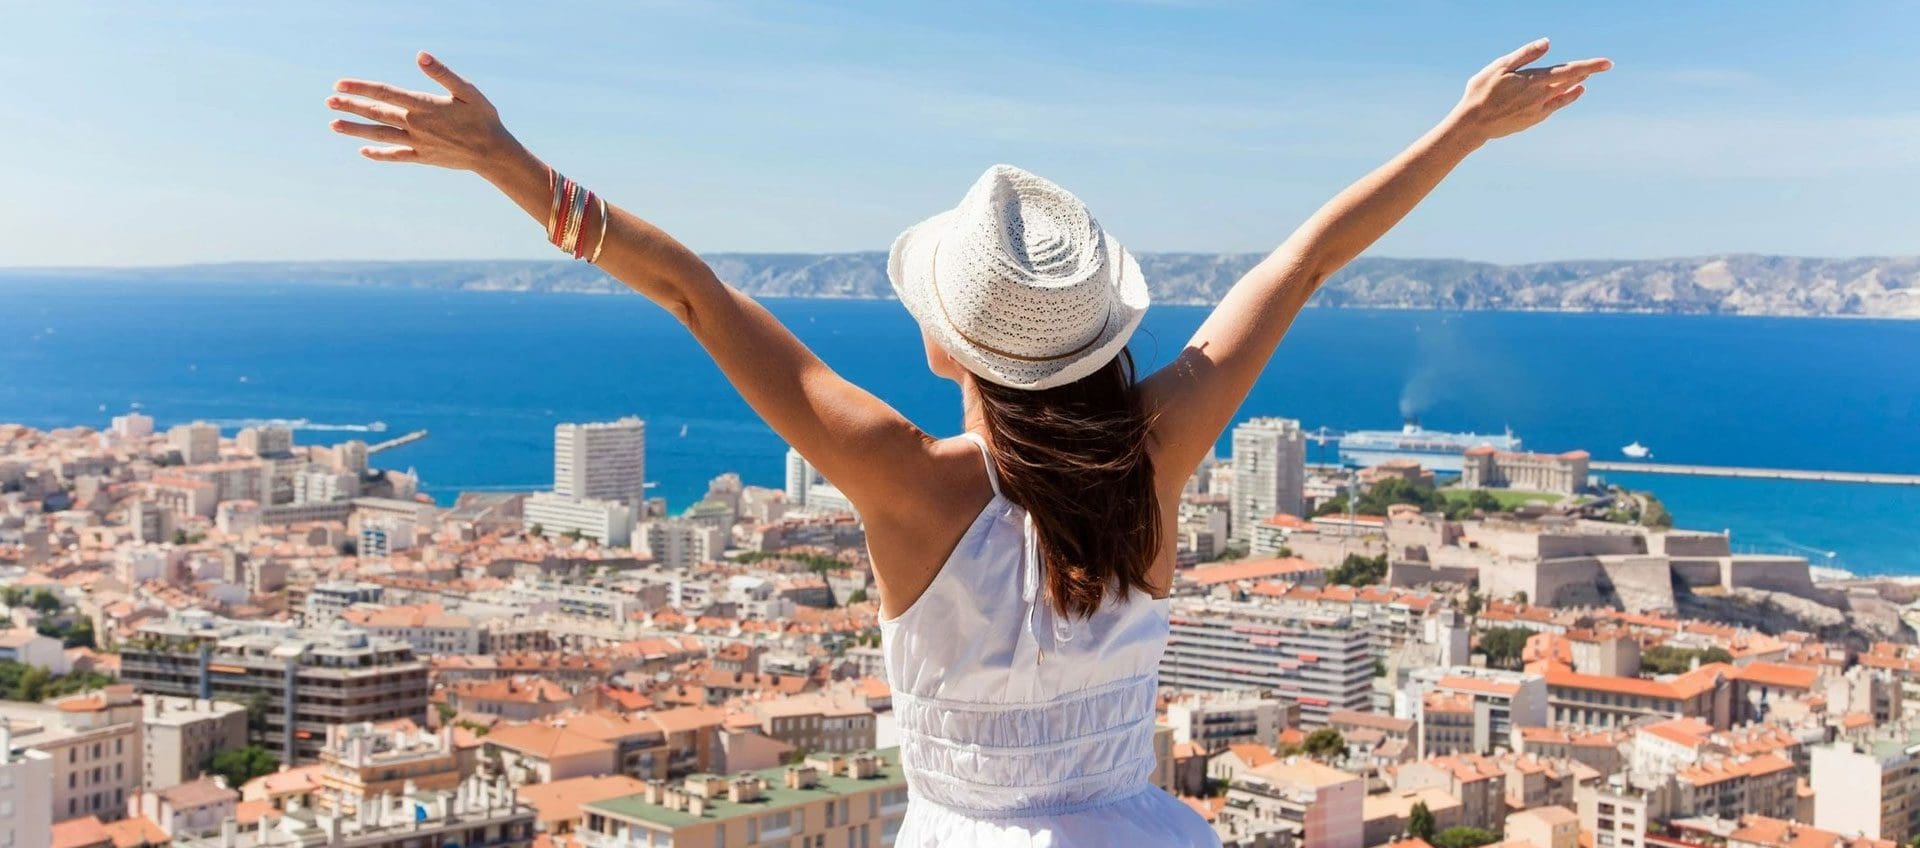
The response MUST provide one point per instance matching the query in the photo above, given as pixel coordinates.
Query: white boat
(1637, 451)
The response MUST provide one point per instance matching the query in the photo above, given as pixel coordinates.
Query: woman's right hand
(1507, 96)
(459, 129)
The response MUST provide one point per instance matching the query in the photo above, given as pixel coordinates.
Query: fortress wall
(1688, 544)
(1590, 545)
(1640, 582)
(1699, 572)
(1562, 582)
(1771, 573)
(1414, 574)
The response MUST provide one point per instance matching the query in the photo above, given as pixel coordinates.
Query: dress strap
(993, 477)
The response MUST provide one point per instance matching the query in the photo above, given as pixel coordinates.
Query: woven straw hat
(1019, 283)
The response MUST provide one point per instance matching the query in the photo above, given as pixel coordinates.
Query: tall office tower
(800, 478)
(1269, 472)
(197, 442)
(604, 461)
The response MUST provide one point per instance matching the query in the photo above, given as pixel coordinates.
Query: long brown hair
(1076, 458)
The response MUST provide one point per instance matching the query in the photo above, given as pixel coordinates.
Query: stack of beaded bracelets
(568, 215)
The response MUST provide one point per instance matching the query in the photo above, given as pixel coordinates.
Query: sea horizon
(489, 376)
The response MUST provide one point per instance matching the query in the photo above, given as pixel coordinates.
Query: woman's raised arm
(1197, 394)
(860, 443)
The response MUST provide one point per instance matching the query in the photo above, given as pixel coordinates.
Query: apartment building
(608, 522)
(1320, 806)
(328, 600)
(1215, 720)
(1615, 813)
(832, 722)
(472, 813)
(304, 681)
(92, 741)
(1269, 472)
(855, 800)
(602, 460)
(1322, 662)
(364, 761)
(181, 735)
(1869, 784)
(428, 628)
(1594, 702)
(26, 790)
(1463, 709)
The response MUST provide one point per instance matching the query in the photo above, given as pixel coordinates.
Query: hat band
(941, 301)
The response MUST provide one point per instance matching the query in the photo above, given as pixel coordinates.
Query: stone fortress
(1562, 561)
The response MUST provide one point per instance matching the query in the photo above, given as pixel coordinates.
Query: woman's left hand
(459, 129)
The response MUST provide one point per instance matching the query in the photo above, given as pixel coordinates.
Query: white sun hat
(1019, 283)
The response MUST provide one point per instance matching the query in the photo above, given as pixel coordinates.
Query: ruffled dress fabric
(1019, 727)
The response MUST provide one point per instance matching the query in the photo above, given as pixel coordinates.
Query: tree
(1420, 822)
(1357, 570)
(859, 596)
(45, 602)
(1324, 743)
(446, 712)
(13, 596)
(536, 531)
(1379, 667)
(1504, 646)
(1464, 837)
(239, 765)
(1655, 513)
(1474, 602)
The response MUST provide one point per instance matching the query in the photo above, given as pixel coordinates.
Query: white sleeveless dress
(1021, 728)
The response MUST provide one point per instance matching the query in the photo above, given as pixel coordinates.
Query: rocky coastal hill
(1741, 284)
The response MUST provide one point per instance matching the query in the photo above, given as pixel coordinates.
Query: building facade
(1269, 472)
(1321, 662)
(303, 681)
(181, 735)
(603, 461)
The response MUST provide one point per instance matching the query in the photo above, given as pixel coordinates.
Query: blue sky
(164, 133)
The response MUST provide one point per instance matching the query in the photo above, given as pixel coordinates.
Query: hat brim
(910, 267)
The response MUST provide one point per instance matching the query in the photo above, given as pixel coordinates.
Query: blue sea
(489, 374)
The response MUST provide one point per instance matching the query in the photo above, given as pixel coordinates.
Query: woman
(1023, 567)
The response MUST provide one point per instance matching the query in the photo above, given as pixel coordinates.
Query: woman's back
(1020, 726)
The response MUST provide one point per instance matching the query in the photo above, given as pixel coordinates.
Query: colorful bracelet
(567, 216)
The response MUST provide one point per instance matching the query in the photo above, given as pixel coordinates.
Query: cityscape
(231, 639)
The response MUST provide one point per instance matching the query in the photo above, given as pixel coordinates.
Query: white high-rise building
(197, 442)
(800, 478)
(604, 461)
(1269, 472)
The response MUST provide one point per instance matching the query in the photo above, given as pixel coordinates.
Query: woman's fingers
(370, 132)
(1567, 73)
(454, 83)
(384, 113)
(1560, 101)
(390, 154)
(1522, 57)
(389, 93)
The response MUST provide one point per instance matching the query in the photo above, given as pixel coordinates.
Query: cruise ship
(1435, 450)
